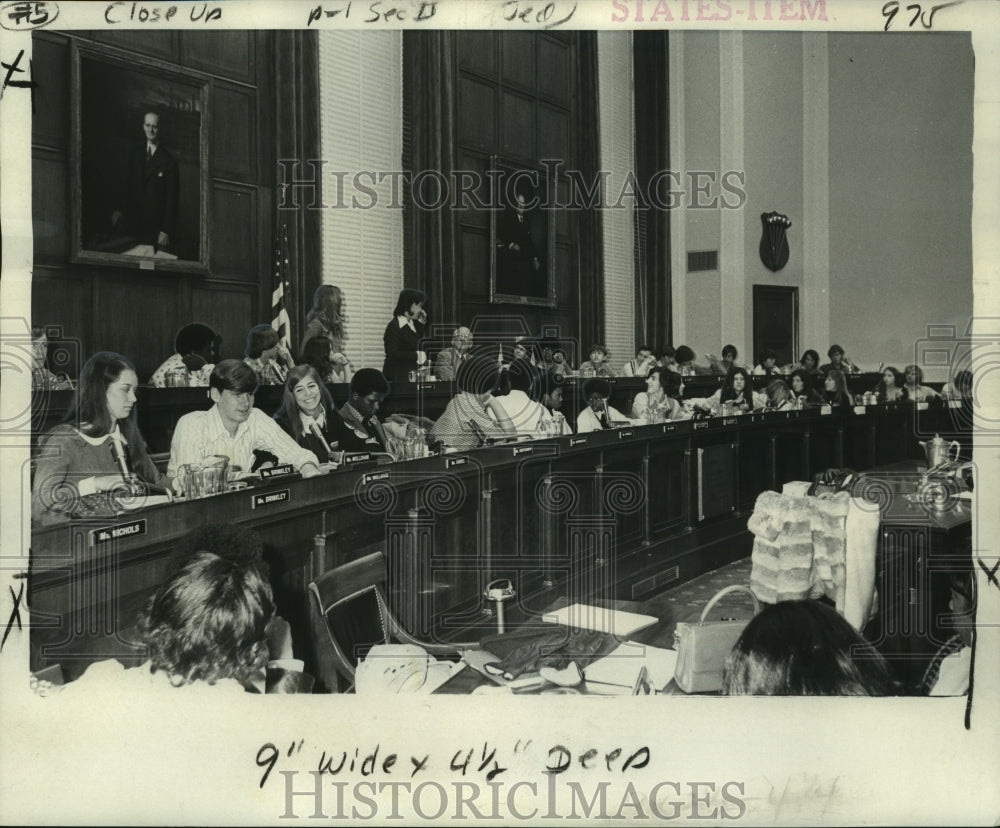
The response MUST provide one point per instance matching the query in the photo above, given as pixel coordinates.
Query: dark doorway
(776, 322)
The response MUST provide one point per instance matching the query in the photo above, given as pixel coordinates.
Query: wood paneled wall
(138, 312)
(524, 97)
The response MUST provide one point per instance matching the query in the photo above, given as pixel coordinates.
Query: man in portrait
(520, 248)
(150, 194)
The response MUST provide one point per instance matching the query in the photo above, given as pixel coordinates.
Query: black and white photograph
(578, 413)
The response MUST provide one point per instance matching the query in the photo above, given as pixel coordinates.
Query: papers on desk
(612, 622)
(618, 671)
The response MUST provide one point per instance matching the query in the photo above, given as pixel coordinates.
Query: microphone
(121, 458)
(318, 433)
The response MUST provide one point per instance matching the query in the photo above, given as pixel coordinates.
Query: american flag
(282, 285)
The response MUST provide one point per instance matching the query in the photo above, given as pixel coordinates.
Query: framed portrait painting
(522, 236)
(139, 164)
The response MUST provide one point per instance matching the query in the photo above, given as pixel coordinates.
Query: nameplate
(270, 498)
(922, 406)
(826, 409)
(276, 471)
(359, 457)
(954, 403)
(425, 386)
(728, 421)
(519, 450)
(373, 476)
(577, 441)
(117, 532)
(668, 428)
(860, 409)
(623, 435)
(451, 462)
(700, 425)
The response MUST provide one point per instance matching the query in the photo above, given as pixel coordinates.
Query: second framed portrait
(522, 235)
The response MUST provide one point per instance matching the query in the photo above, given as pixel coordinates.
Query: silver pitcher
(938, 451)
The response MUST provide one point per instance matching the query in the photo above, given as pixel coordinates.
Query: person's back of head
(260, 338)
(194, 338)
(208, 622)
(478, 375)
(316, 352)
(521, 376)
(804, 648)
(684, 355)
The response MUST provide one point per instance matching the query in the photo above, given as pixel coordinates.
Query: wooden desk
(619, 514)
(919, 550)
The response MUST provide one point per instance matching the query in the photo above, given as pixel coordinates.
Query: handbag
(702, 648)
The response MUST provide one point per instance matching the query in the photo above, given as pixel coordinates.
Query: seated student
(474, 413)
(196, 348)
(306, 412)
(890, 387)
(597, 414)
(269, 359)
(810, 362)
(960, 388)
(804, 648)
(206, 630)
(668, 358)
(234, 428)
(597, 365)
(527, 415)
(447, 361)
(525, 348)
(947, 672)
(550, 386)
(801, 386)
(839, 362)
(686, 366)
(913, 390)
(97, 447)
(768, 365)
(41, 376)
(835, 390)
(639, 367)
(357, 424)
(720, 367)
(317, 353)
(560, 363)
(779, 396)
(737, 391)
(658, 397)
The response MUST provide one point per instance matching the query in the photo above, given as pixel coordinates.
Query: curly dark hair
(209, 621)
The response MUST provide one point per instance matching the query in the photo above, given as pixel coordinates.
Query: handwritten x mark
(14, 615)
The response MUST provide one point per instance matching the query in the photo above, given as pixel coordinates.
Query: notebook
(622, 666)
(612, 622)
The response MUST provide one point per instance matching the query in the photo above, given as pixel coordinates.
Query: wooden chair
(349, 614)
